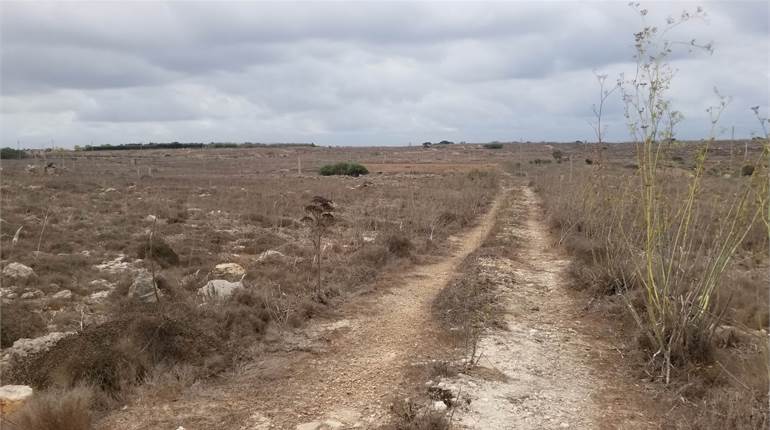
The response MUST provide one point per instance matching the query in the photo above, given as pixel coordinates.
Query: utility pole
(732, 145)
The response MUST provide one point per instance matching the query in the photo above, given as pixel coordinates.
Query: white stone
(321, 425)
(117, 266)
(270, 253)
(18, 271)
(34, 294)
(13, 396)
(15, 393)
(99, 295)
(101, 284)
(63, 294)
(24, 347)
(219, 289)
(438, 406)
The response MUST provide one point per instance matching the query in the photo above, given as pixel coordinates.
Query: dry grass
(213, 207)
(56, 410)
(409, 415)
(595, 215)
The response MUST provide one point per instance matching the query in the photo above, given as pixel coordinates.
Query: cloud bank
(353, 73)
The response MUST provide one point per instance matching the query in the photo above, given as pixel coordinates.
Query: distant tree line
(11, 154)
(184, 145)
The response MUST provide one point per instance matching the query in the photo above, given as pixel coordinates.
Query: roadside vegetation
(674, 241)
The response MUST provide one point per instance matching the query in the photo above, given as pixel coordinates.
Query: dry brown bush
(56, 410)
(399, 245)
(157, 250)
(408, 415)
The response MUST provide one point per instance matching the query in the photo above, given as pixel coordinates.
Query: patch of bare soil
(554, 369)
(345, 372)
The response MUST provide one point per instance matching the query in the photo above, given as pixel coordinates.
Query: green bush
(348, 169)
(11, 154)
(493, 145)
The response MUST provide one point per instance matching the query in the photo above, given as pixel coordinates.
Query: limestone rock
(229, 271)
(143, 287)
(438, 406)
(18, 271)
(13, 396)
(270, 254)
(219, 289)
(99, 296)
(118, 266)
(63, 294)
(321, 425)
(24, 347)
(33, 294)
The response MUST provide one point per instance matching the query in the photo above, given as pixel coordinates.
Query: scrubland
(718, 373)
(101, 220)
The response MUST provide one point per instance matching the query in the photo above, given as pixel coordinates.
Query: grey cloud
(350, 73)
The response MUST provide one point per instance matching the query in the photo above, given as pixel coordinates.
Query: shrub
(747, 170)
(493, 145)
(408, 415)
(162, 253)
(56, 410)
(11, 154)
(399, 245)
(19, 321)
(117, 354)
(345, 168)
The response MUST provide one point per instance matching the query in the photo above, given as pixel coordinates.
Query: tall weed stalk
(680, 269)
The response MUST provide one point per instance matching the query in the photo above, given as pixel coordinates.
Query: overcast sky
(354, 73)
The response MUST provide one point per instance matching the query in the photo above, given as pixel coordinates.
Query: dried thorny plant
(318, 218)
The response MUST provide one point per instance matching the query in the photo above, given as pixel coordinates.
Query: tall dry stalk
(680, 270)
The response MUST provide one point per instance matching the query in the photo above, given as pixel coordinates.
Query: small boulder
(12, 397)
(63, 294)
(219, 289)
(438, 406)
(229, 271)
(321, 425)
(99, 296)
(270, 254)
(33, 294)
(24, 347)
(101, 284)
(143, 287)
(18, 271)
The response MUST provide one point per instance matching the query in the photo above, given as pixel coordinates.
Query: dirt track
(557, 369)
